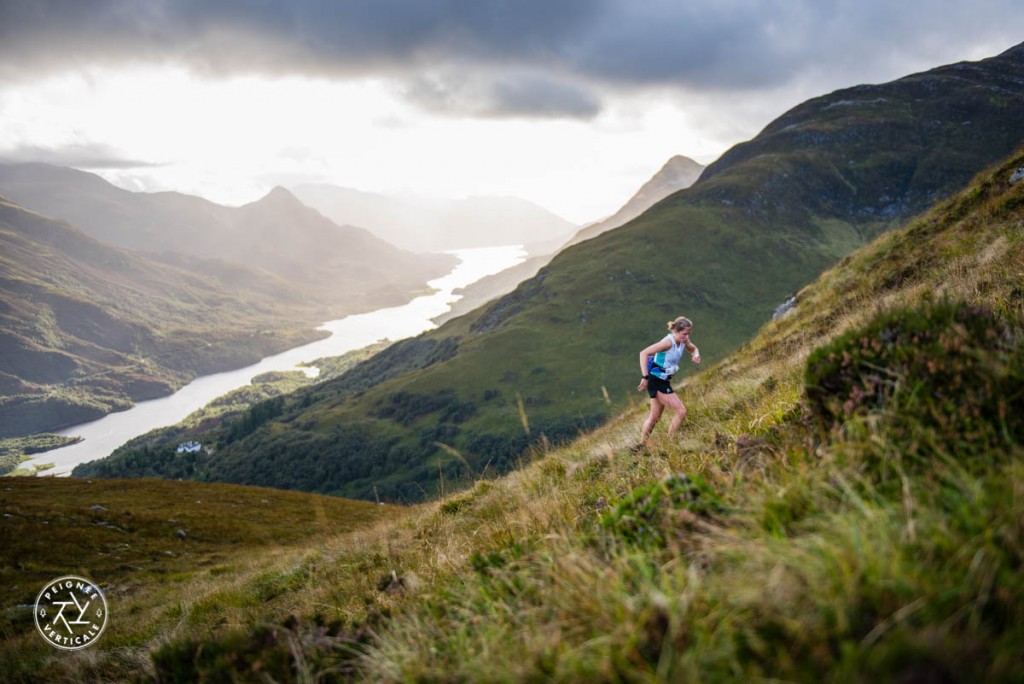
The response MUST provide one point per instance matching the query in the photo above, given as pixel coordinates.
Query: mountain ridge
(678, 173)
(300, 244)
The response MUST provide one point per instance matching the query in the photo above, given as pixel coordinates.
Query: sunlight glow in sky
(232, 140)
(572, 105)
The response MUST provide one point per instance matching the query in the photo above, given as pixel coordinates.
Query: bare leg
(658, 405)
(652, 419)
(673, 402)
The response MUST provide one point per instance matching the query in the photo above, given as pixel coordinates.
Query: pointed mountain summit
(678, 173)
(282, 235)
(279, 196)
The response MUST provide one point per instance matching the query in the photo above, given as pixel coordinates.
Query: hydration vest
(665, 364)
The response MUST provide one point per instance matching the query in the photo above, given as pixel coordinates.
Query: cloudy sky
(572, 104)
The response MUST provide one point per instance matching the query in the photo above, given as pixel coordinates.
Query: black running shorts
(656, 384)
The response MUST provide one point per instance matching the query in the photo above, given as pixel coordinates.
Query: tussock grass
(820, 570)
(827, 555)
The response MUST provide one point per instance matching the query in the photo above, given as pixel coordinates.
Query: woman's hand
(642, 386)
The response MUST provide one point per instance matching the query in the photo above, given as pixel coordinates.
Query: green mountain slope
(86, 328)
(558, 355)
(868, 533)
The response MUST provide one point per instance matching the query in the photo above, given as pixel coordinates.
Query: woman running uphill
(658, 363)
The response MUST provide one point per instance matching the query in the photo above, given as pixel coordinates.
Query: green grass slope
(86, 328)
(558, 355)
(844, 505)
(154, 543)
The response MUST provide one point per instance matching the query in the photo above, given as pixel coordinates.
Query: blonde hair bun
(679, 324)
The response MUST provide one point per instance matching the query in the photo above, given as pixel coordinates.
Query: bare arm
(694, 352)
(659, 346)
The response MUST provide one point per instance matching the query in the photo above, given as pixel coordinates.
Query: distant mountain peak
(678, 173)
(280, 201)
(279, 195)
(681, 162)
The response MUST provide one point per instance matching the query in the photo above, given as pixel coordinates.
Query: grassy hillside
(868, 532)
(557, 355)
(86, 328)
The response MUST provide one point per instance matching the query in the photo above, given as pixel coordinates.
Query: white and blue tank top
(665, 364)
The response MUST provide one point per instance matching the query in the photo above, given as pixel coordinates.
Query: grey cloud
(758, 44)
(83, 156)
(539, 96)
(580, 46)
(505, 94)
(313, 36)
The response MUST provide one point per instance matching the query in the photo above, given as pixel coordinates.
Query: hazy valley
(432, 225)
